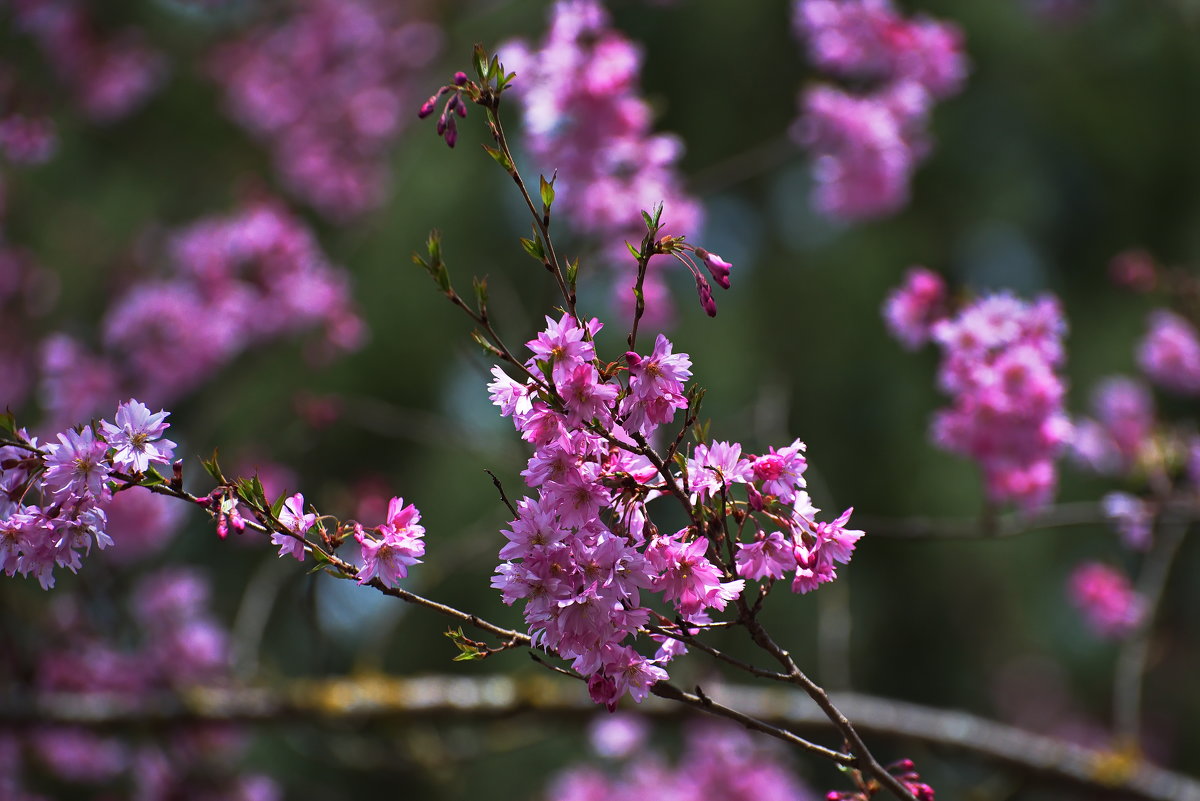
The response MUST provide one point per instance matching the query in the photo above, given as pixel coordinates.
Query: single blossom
(137, 437)
(296, 521)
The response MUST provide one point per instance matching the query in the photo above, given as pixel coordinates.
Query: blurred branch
(763, 158)
(439, 697)
(1012, 524)
(1135, 651)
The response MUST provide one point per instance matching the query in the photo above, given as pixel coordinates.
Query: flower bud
(717, 267)
(427, 107)
(451, 132)
(460, 79)
(755, 497)
(706, 298)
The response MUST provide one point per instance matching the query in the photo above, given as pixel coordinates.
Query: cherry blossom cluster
(911, 309)
(904, 770)
(1000, 357)
(234, 282)
(110, 75)
(586, 122)
(388, 550)
(1170, 353)
(716, 762)
(327, 89)
(177, 643)
(584, 553)
(53, 496)
(866, 145)
(1115, 439)
(1109, 604)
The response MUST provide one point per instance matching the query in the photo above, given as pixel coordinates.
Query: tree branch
(437, 697)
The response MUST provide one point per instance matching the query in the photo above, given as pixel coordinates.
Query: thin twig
(1135, 651)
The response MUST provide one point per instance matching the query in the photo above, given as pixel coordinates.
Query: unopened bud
(633, 359)
(441, 125)
(427, 107)
(451, 132)
(460, 79)
(755, 497)
(706, 297)
(717, 267)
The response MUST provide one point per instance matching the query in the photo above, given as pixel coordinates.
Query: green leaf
(260, 494)
(277, 507)
(467, 650)
(481, 62)
(213, 468)
(501, 158)
(494, 69)
(481, 294)
(434, 244)
(245, 490)
(152, 478)
(547, 192)
(649, 222)
(534, 248)
(488, 347)
(8, 423)
(572, 271)
(637, 254)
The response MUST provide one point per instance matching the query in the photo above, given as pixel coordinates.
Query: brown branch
(1135, 651)
(437, 697)
(1013, 524)
(864, 759)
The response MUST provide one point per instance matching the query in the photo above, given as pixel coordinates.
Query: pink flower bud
(460, 78)
(441, 125)
(451, 132)
(717, 267)
(427, 107)
(755, 497)
(633, 359)
(706, 297)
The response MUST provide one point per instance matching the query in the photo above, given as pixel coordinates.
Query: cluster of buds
(447, 127)
(903, 770)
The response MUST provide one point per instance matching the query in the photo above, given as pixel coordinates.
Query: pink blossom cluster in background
(718, 761)
(1170, 353)
(1000, 357)
(1113, 441)
(1109, 604)
(54, 495)
(233, 282)
(27, 139)
(178, 644)
(109, 74)
(911, 309)
(585, 121)
(584, 551)
(866, 144)
(328, 88)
